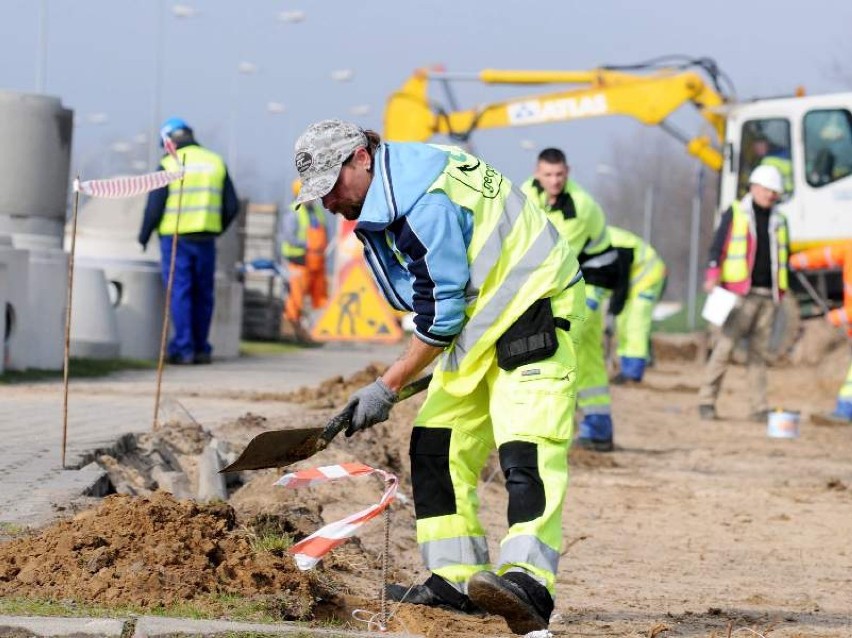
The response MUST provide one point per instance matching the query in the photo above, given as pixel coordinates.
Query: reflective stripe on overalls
(200, 199)
(845, 393)
(593, 395)
(515, 258)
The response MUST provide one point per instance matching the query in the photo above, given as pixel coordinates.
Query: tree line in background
(649, 165)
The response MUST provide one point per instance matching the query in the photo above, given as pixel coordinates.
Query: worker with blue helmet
(193, 214)
(172, 125)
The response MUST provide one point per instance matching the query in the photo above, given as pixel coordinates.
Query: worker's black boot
(435, 592)
(519, 598)
(595, 445)
(202, 358)
(707, 412)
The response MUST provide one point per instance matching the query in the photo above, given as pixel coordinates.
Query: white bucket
(783, 424)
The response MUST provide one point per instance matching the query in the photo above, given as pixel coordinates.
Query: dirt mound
(580, 458)
(678, 347)
(332, 392)
(817, 340)
(153, 552)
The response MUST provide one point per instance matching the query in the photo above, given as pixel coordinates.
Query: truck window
(828, 146)
(765, 141)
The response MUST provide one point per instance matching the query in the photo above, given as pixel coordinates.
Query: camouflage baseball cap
(321, 151)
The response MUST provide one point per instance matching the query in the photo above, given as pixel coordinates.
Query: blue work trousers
(193, 293)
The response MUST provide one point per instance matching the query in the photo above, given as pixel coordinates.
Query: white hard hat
(768, 177)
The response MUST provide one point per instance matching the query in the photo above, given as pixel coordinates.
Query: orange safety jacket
(306, 237)
(836, 256)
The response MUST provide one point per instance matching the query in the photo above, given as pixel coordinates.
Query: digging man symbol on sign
(350, 308)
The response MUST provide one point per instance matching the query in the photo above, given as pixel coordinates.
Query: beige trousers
(751, 319)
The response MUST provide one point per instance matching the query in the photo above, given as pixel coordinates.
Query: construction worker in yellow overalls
(633, 323)
(498, 295)
(839, 256)
(581, 221)
(305, 239)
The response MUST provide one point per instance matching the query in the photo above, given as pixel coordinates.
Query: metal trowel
(280, 448)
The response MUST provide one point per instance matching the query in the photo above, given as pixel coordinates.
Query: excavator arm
(649, 98)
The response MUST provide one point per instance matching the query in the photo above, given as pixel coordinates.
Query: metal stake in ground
(70, 289)
(812, 293)
(168, 305)
(383, 614)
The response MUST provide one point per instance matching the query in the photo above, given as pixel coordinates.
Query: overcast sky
(101, 59)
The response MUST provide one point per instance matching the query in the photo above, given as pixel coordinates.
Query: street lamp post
(648, 213)
(83, 161)
(41, 63)
(291, 17)
(243, 68)
(180, 11)
(694, 236)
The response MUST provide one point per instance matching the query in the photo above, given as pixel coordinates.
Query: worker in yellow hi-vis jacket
(646, 286)
(581, 221)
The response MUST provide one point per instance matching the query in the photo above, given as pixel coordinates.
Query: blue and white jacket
(415, 242)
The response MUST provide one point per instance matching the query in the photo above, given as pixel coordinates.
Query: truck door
(827, 139)
(765, 141)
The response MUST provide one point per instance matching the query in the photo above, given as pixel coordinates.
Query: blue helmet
(173, 124)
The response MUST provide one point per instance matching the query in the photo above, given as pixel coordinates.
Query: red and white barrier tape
(309, 551)
(118, 187)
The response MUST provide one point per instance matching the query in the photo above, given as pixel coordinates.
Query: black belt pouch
(531, 338)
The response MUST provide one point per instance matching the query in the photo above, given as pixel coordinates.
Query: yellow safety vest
(588, 231)
(647, 269)
(303, 214)
(515, 258)
(741, 247)
(201, 205)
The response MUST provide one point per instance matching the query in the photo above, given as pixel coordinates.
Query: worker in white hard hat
(749, 257)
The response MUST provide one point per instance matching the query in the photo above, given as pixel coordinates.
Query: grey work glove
(370, 405)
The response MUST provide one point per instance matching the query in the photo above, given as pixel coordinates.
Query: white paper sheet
(718, 306)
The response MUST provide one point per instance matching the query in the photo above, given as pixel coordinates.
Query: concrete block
(94, 327)
(211, 484)
(18, 328)
(45, 626)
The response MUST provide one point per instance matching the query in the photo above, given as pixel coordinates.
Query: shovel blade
(280, 448)
(277, 448)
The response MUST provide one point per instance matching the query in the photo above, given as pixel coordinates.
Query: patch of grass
(679, 322)
(222, 606)
(39, 607)
(77, 369)
(276, 544)
(12, 529)
(266, 348)
(228, 606)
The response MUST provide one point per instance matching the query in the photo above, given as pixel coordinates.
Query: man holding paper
(749, 258)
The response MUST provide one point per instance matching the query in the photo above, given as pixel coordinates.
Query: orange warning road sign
(357, 312)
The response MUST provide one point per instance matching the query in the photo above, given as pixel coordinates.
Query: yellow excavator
(411, 114)
(812, 134)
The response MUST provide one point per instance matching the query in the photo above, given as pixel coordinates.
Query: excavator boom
(649, 98)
